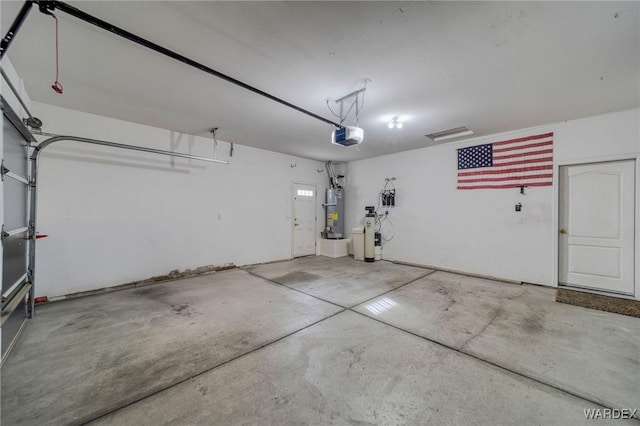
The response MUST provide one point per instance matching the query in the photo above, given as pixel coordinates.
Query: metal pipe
(31, 263)
(178, 57)
(15, 27)
(44, 144)
(33, 197)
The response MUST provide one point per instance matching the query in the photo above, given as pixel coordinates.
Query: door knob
(563, 231)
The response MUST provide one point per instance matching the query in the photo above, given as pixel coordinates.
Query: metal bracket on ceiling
(47, 7)
(215, 142)
(350, 101)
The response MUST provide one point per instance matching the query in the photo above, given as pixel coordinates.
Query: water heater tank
(334, 214)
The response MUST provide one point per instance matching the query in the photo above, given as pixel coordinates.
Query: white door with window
(596, 225)
(304, 219)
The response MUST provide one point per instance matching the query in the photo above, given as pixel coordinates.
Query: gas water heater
(369, 234)
(334, 208)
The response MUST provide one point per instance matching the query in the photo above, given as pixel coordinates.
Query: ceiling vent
(445, 135)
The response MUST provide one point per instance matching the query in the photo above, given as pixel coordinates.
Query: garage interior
(320, 212)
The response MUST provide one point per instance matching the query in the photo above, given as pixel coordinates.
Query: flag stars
(475, 156)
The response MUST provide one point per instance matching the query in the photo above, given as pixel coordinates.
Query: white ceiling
(491, 66)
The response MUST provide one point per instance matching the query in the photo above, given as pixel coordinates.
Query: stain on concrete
(281, 400)
(391, 384)
(203, 390)
(77, 326)
(442, 290)
(131, 376)
(296, 277)
(152, 292)
(188, 273)
(239, 341)
(180, 309)
(533, 323)
(355, 354)
(353, 421)
(448, 300)
(173, 275)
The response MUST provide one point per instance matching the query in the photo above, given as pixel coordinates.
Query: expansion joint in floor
(493, 364)
(105, 413)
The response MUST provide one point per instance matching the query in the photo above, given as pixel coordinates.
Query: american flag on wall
(508, 164)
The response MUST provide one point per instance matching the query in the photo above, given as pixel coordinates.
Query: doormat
(600, 302)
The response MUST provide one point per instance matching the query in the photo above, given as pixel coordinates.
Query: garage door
(15, 231)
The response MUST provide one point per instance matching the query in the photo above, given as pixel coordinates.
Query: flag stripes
(520, 146)
(507, 164)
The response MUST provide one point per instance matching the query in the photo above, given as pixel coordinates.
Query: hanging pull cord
(56, 86)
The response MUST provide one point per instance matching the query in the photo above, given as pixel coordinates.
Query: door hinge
(3, 234)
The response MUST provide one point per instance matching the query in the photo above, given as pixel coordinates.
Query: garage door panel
(12, 325)
(14, 260)
(14, 253)
(15, 204)
(15, 151)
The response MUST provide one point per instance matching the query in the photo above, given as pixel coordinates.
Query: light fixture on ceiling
(450, 134)
(394, 123)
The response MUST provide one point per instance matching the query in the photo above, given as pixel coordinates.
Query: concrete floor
(322, 341)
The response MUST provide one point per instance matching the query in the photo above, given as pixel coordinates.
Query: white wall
(476, 231)
(116, 216)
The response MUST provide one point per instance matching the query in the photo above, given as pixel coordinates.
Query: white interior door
(596, 224)
(304, 219)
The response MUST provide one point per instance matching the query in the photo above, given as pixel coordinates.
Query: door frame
(293, 211)
(556, 215)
